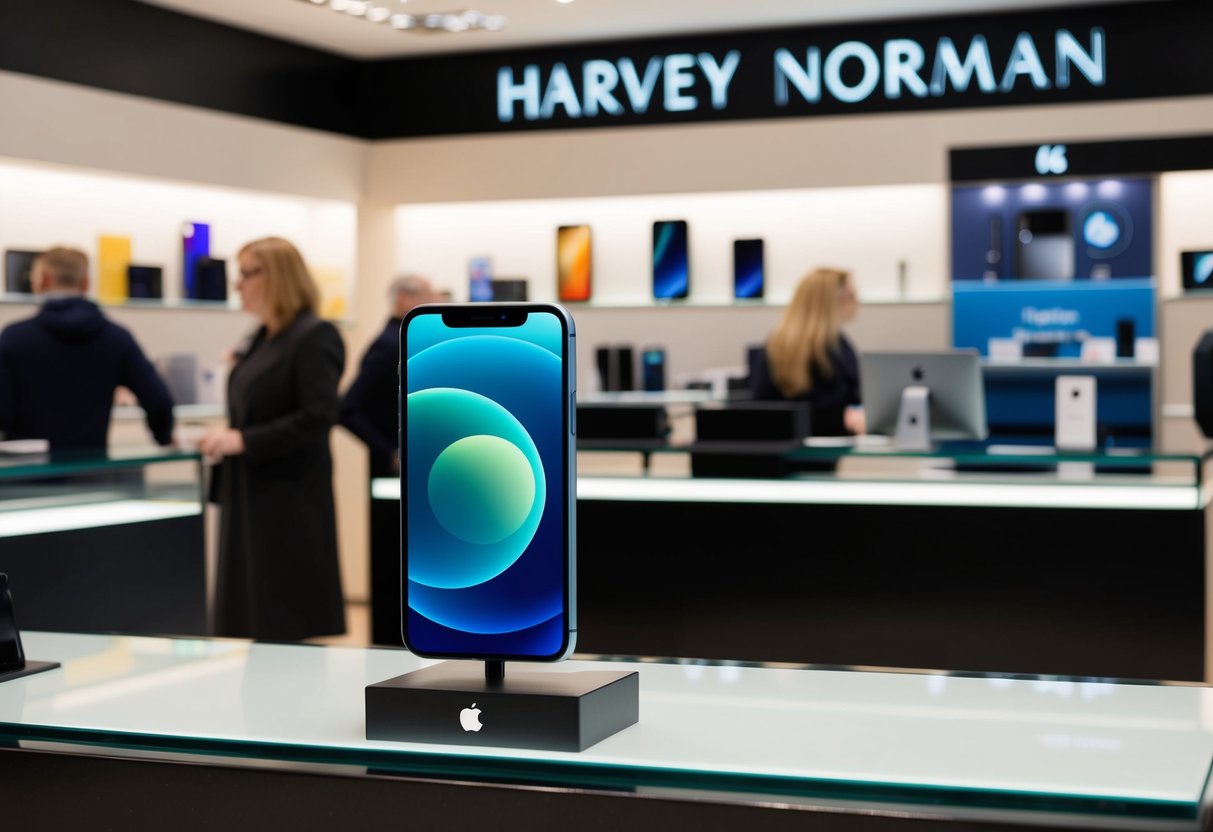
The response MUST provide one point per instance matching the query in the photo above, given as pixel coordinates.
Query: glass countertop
(1092, 753)
(61, 463)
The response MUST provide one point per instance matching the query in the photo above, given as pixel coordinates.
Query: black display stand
(469, 703)
(13, 663)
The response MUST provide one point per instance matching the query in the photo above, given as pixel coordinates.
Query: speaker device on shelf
(1202, 383)
(615, 368)
(625, 424)
(747, 438)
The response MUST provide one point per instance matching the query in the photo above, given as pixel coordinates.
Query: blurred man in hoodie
(60, 368)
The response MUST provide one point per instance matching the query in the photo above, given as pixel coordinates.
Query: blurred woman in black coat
(809, 358)
(278, 573)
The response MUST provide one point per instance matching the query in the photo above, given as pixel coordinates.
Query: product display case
(1004, 559)
(274, 731)
(105, 541)
(996, 559)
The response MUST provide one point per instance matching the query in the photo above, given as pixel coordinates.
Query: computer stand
(914, 420)
(13, 664)
(551, 710)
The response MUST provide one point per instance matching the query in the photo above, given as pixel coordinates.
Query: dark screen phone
(144, 281)
(671, 266)
(210, 278)
(652, 368)
(748, 280)
(18, 266)
(488, 480)
(1197, 269)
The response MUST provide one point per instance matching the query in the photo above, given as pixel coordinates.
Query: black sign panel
(1088, 53)
(1113, 158)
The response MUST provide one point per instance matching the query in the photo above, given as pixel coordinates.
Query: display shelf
(1088, 753)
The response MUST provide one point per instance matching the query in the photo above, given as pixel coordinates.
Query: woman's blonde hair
(289, 288)
(809, 329)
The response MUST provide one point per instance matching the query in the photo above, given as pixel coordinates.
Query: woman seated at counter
(808, 357)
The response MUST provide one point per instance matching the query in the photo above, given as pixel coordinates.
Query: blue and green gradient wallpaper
(485, 479)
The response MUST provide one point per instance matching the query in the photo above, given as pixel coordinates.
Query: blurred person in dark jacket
(60, 369)
(369, 406)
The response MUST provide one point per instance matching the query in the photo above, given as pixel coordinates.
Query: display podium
(528, 707)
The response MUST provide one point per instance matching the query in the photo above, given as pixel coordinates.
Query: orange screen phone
(573, 262)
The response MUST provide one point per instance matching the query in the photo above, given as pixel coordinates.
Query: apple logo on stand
(469, 718)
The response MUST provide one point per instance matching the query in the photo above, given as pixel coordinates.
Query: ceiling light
(374, 11)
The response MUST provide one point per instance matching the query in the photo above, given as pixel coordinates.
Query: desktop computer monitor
(919, 398)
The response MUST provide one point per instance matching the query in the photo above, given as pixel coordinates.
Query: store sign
(850, 72)
(603, 87)
(1091, 52)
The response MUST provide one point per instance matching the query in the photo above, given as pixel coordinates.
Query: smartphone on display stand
(671, 264)
(573, 263)
(488, 481)
(748, 280)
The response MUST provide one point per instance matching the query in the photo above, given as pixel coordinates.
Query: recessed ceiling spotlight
(563, 2)
(373, 11)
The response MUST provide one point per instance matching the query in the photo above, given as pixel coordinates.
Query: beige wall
(69, 125)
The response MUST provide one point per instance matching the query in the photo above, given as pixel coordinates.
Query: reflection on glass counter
(1062, 752)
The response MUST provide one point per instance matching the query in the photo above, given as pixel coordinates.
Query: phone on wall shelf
(573, 262)
(195, 245)
(488, 479)
(652, 368)
(671, 261)
(748, 278)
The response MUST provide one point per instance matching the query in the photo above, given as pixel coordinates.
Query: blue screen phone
(748, 280)
(488, 479)
(671, 265)
(196, 244)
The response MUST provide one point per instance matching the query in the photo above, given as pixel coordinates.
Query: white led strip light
(453, 22)
(70, 518)
(989, 495)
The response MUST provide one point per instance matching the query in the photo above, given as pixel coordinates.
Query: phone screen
(671, 268)
(573, 263)
(747, 269)
(480, 279)
(487, 481)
